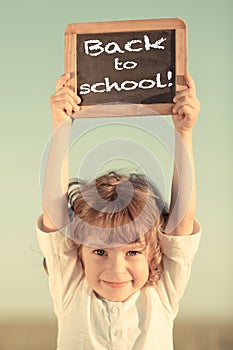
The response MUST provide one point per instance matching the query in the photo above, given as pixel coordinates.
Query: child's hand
(64, 102)
(186, 107)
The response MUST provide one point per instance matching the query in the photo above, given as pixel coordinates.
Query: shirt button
(115, 311)
(118, 333)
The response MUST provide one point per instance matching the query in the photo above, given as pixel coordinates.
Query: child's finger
(185, 111)
(190, 82)
(183, 94)
(71, 93)
(65, 91)
(66, 107)
(185, 100)
(63, 98)
(62, 81)
(190, 90)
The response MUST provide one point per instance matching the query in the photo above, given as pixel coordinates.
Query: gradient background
(31, 60)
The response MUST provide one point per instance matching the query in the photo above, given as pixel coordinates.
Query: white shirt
(143, 322)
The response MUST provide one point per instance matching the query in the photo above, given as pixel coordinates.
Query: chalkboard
(127, 62)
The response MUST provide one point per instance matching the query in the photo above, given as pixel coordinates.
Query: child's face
(116, 273)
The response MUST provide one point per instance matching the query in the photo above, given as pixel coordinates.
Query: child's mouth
(115, 284)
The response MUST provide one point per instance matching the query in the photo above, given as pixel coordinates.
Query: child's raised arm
(183, 197)
(63, 103)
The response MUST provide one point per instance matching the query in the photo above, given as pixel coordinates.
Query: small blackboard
(138, 63)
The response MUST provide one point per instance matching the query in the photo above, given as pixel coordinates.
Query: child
(118, 269)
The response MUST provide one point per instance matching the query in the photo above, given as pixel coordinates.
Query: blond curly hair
(127, 207)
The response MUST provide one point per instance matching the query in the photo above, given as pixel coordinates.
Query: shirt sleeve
(178, 254)
(64, 268)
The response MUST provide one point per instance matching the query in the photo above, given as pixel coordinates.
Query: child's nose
(116, 264)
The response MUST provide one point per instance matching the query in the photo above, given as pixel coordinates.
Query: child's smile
(116, 284)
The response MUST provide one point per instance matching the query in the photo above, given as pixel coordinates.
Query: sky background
(32, 58)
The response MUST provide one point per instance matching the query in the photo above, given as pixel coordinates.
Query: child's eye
(133, 252)
(100, 252)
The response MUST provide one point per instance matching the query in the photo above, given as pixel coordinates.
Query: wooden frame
(72, 30)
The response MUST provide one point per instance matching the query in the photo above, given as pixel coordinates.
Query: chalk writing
(121, 64)
(113, 47)
(127, 85)
(124, 65)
